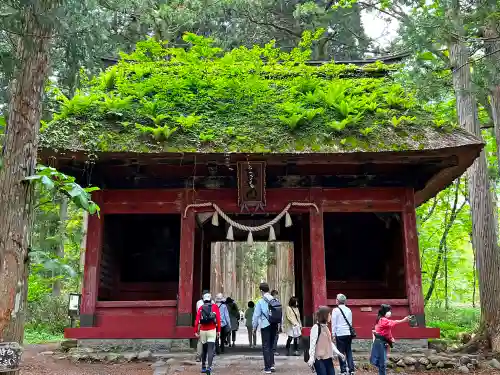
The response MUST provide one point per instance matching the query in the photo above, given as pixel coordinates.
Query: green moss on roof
(161, 99)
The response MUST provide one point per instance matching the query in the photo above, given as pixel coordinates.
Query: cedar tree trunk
(19, 160)
(484, 230)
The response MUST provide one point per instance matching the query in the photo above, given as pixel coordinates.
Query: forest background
(422, 33)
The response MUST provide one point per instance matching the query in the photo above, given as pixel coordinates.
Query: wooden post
(412, 260)
(305, 262)
(185, 298)
(318, 269)
(91, 270)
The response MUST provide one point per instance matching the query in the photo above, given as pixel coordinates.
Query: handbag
(296, 330)
(352, 331)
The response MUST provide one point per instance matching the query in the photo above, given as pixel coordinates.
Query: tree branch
(277, 27)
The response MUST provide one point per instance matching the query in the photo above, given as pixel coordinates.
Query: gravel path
(37, 363)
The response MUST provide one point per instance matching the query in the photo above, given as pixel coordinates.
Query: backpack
(275, 312)
(207, 315)
(306, 352)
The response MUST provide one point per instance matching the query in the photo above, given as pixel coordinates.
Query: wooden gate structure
(346, 193)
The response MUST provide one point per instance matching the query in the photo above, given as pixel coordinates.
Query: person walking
(234, 316)
(199, 346)
(292, 326)
(275, 295)
(383, 338)
(207, 327)
(252, 335)
(268, 314)
(225, 322)
(343, 332)
(322, 348)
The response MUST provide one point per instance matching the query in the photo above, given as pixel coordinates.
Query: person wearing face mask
(383, 338)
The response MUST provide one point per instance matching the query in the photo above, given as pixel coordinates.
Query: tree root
(479, 343)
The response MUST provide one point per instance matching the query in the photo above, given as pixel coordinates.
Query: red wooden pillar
(91, 268)
(185, 297)
(413, 274)
(318, 269)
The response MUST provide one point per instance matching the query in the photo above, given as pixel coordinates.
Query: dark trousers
(208, 351)
(344, 344)
(221, 342)
(268, 335)
(275, 343)
(324, 366)
(233, 335)
(295, 343)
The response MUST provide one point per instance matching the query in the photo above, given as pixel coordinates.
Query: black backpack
(306, 351)
(275, 312)
(207, 315)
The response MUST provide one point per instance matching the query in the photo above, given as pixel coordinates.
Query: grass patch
(32, 336)
(454, 321)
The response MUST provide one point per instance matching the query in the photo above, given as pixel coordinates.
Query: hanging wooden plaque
(252, 185)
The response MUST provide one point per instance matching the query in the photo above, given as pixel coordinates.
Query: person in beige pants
(199, 346)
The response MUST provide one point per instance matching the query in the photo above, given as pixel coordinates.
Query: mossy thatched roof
(162, 99)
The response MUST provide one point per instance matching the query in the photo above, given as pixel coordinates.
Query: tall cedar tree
(484, 224)
(19, 156)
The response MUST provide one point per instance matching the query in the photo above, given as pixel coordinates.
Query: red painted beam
(371, 302)
(91, 267)
(318, 268)
(135, 304)
(413, 272)
(332, 200)
(185, 306)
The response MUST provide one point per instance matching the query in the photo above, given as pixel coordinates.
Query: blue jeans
(378, 356)
(324, 366)
(268, 335)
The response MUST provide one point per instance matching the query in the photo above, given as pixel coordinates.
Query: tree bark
(19, 160)
(63, 217)
(492, 50)
(484, 230)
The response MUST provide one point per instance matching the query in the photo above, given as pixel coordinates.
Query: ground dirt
(37, 363)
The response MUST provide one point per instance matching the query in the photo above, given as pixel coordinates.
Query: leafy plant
(58, 183)
(207, 136)
(366, 131)
(115, 104)
(189, 121)
(293, 120)
(158, 119)
(349, 120)
(396, 121)
(160, 133)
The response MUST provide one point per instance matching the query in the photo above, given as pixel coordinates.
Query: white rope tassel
(288, 220)
(272, 235)
(215, 219)
(230, 235)
(250, 238)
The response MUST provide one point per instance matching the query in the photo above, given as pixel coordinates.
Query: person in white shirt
(341, 330)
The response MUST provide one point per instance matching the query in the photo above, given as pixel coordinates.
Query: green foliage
(454, 321)
(34, 336)
(48, 315)
(246, 99)
(58, 182)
